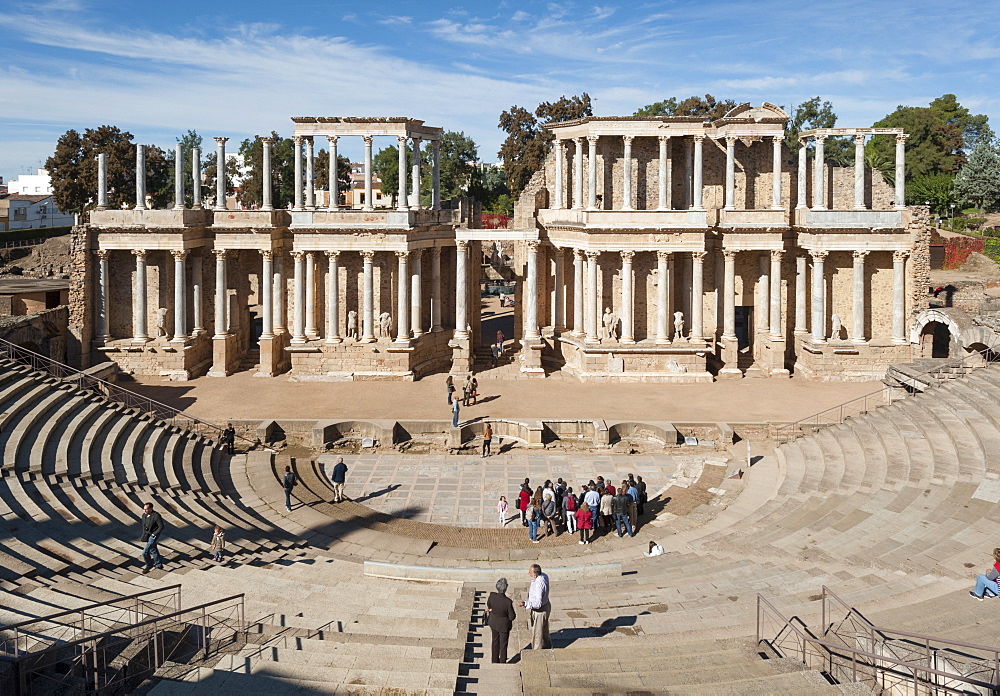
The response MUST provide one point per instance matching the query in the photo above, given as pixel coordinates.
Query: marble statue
(352, 324)
(678, 326)
(610, 322)
(384, 324)
(161, 322)
(836, 327)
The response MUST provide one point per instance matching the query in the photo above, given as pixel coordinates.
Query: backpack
(532, 513)
(570, 503)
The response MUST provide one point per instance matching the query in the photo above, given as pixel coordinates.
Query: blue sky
(243, 68)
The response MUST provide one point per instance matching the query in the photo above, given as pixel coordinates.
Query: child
(218, 544)
(502, 510)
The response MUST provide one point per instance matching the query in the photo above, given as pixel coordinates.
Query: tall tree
(708, 107)
(66, 170)
(936, 190)
(810, 114)
(975, 129)
(979, 180)
(323, 172)
(488, 185)
(159, 177)
(73, 168)
(385, 163)
(667, 107)
(251, 175)
(458, 153)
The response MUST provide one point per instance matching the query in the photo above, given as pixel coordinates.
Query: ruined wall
(43, 332)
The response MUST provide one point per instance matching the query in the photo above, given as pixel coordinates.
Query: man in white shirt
(539, 608)
(593, 500)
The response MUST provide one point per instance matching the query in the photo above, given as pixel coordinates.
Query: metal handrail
(878, 663)
(90, 607)
(790, 431)
(21, 243)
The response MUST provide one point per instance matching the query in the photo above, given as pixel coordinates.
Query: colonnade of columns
(820, 198)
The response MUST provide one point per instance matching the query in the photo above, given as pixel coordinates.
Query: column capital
(859, 139)
(401, 139)
(332, 253)
(628, 139)
(627, 255)
(699, 256)
(332, 138)
(901, 137)
(403, 255)
(415, 253)
(560, 144)
(578, 141)
(267, 254)
(139, 253)
(777, 254)
(368, 255)
(663, 138)
(900, 254)
(532, 245)
(179, 254)
(731, 140)
(662, 255)
(416, 141)
(436, 252)
(860, 254)
(802, 144)
(818, 254)
(220, 253)
(592, 139)
(435, 145)
(266, 139)
(578, 254)
(103, 254)
(368, 139)
(699, 138)
(221, 139)
(819, 138)
(592, 255)
(776, 140)
(729, 254)
(297, 254)
(462, 245)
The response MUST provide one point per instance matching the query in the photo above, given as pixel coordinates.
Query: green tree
(667, 107)
(251, 191)
(188, 141)
(808, 115)
(979, 180)
(975, 129)
(708, 107)
(489, 187)
(323, 172)
(159, 177)
(457, 156)
(385, 163)
(66, 169)
(73, 168)
(937, 190)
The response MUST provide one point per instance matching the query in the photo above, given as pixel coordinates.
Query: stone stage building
(647, 249)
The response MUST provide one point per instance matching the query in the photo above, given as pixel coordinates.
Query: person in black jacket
(152, 527)
(500, 618)
(288, 483)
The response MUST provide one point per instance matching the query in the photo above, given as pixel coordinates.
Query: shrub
(958, 249)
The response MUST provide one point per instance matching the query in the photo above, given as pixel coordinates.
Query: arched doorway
(935, 340)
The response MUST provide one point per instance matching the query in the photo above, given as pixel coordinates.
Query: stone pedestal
(225, 361)
(531, 357)
(774, 362)
(273, 359)
(730, 357)
(461, 356)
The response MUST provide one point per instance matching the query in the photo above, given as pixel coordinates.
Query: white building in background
(31, 184)
(23, 211)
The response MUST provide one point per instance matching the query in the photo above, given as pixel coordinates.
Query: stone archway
(935, 340)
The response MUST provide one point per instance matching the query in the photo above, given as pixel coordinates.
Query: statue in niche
(610, 322)
(161, 322)
(678, 326)
(352, 325)
(836, 327)
(384, 324)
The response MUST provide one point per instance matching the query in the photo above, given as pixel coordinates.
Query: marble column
(180, 300)
(689, 147)
(268, 204)
(730, 172)
(762, 311)
(416, 301)
(899, 296)
(559, 294)
(196, 294)
(593, 310)
(560, 194)
(436, 290)
(800, 295)
(819, 175)
(858, 305)
(664, 174)
(859, 171)
(221, 295)
(267, 293)
(368, 204)
(402, 296)
(627, 174)
(334, 183)
(312, 331)
(310, 174)
(103, 335)
(531, 294)
(178, 177)
(196, 178)
(592, 172)
(578, 302)
(102, 182)
(776, 172)
(775, 313)
(628, 323)
(818, 297)
(299, 298)
(297, 158)
(461, 289)
(220, 173)
(280, 292)
(140, 333)
(368, 299)
(578, 174)
(697, 296)
(402, 200)
(436, 175)
(140, 177)
(415, 175)
(729, 296)
(697, 169)
(901, 171)
(662, 295)
(333, 297)
(803, 175)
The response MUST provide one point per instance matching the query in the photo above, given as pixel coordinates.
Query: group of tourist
(470, 394)
(152, 529)
(598, 506)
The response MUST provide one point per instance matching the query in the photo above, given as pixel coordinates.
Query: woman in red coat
(584, 522)
(523, 498)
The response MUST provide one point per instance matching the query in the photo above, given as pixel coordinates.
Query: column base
(224, 361)
(363, 339)
(662, 341)
(628, 341)
(141, 339)
(859, 341)
(335, 339)
(900, 341)
(730, 373)
(299, 340)
(817, 341)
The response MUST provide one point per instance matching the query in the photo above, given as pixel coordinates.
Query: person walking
(487, 440)
(569, 510)
(523, 498)
(474, 390)
(584, 522)
(339, 478)
(454, 413)
(620, 507)
(502, 511)
(495, 354)
(450, 385)
(228, 439)
(218, 544)
(500, 618)
(539, 608)
(152, 528)
(500, 340)
(288, 483)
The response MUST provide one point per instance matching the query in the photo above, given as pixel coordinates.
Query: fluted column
(196, 295)
(416, 301)
(776, 172)
(436, 290)
(310, 175)
(559, 301)
(592, 308)
(196, 178)
(729, 296)
(818, 297)
(819, 175)
(461, 289)
(761, 318)
(311, 329)
(280, 292)
(436, 175)
(662, 290)
(901, 171)
(664, 174)
(415, 175)
(560, 194)
(267, 293)
(297, 158)
(180, 301)
(730, 172)
(697, 170)
(140, 333)
(800, 295)
(140, 177)
(591, 172)
(368, 172)
(899, 296)
(628, 323)
(859, 171)
(402, 296)
(858, 308)
(627, 174)
(266, 175)
(578, 301)
(333, 297)
(697, 295)
(368, 298)
(776, 256)
(178, 177)
(531, 299)
(220, 173)
(334, 185)
(221, 294)
(103, 335)
(402, 201)
(803, 175)
(102, 182)
(578, 175)
(299, 298)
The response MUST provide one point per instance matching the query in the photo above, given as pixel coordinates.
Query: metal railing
(877, 665)
(21, 243)
(860, 405)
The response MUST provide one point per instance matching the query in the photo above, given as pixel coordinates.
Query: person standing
(569, 510)
(502, 510)
(523, 498)
(450, 385)
(487, 440)
(454, 413)
(474, 390)
(339, 478)
(643, 498)
(549, 510)
(229, 439)
(288, 483)
(500, 618)
(606, 508)
(539, 608)
(218, 544)
(152, 527)
(534, 515)
(593, 500)
(466, 390)
(620, 505)
(495, 353)
(585, 522)
(500, 340)
(633, 507)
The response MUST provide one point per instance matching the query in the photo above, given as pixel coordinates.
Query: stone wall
(44, 332)
(919, 263)
(80, 328)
